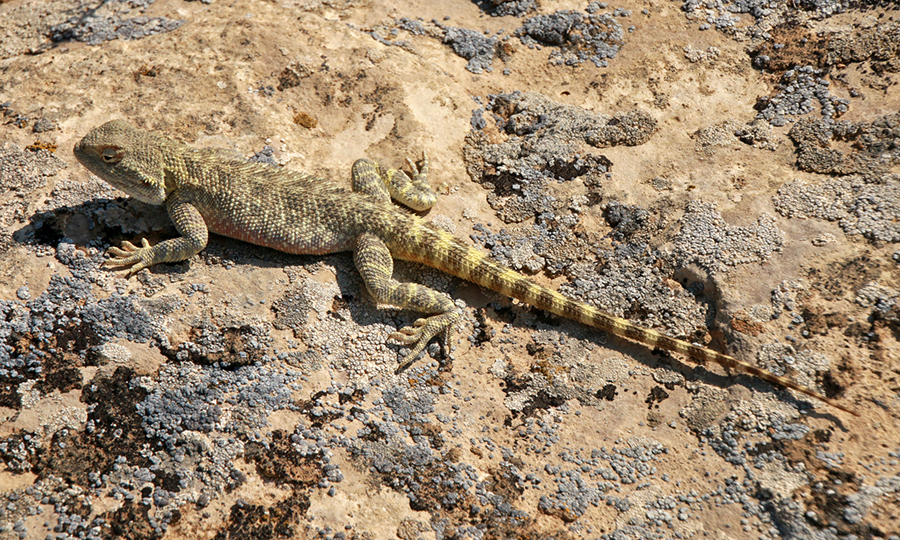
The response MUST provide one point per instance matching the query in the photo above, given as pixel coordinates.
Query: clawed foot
(415, 169)
(421, 332)
(413, 190)
(129, 254)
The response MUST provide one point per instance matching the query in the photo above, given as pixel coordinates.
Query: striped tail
(445, 252)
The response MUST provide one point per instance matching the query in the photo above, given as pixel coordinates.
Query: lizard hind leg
(375, 265)
(415, 192)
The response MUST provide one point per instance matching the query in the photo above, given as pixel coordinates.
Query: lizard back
(289, 211)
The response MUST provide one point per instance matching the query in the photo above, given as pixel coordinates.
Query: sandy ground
(727, 177)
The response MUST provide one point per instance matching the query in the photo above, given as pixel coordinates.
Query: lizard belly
(288, 235)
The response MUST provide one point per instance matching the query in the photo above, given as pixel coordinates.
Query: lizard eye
(111, 154)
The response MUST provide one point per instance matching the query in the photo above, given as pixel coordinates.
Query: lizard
(206, 191)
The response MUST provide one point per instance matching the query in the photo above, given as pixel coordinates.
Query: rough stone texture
(250, 394)
(874, 146)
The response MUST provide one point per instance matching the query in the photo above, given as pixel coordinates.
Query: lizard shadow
(94, 222)
(738, 385)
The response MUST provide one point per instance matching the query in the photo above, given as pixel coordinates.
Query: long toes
(137, 268)
(117, 262)
(406, 338)
(410, 331)
(423, 330)
(411, 356)
(128, 255)
(127, 250)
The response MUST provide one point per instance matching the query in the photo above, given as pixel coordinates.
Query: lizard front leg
(375, 265)
(190, 225)
(371, 178)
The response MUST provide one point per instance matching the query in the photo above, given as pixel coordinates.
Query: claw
(421, 332)
(129, 255)
(413, 168)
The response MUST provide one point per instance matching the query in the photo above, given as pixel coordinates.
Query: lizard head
(128, 159)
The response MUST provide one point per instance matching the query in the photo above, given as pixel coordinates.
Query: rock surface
(725, 171)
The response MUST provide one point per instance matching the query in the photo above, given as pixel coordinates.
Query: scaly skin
(297, 213)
